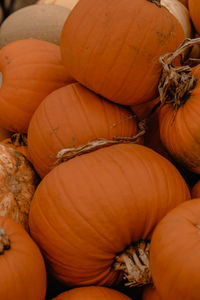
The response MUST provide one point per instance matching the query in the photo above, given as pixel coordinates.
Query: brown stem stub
(4, 241)
(19, 139)
(134, 262)
(177, 82)
(69, 153)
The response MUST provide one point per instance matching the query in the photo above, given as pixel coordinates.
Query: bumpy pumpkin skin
(180, 134)
(72, 116)
(174, 248)
(150, 293)
(92, 207)
(18, 182)
(22, 266)
(92, 293)
(195, 193)
(31, 70)
(103, 47)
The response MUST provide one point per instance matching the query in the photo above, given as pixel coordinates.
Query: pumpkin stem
(4, 241)
(177, 82)
(19, 139)
(134, 262)
(156, 2)
(69, 153)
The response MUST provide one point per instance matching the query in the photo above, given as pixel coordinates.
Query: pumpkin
(179, 122)
(195, 193)
(150, 293)
(4, 133)
(194, 10)
(103, 47)
(65, 3)
(181, 13)
(18, 142)
(21, 264)
(17, 185)
(43, 22)
(185, 2)
(88, 210)
(174, 248)
(92, 293)
(31, 70)
(72, 116)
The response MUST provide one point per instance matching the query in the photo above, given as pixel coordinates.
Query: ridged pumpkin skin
(92, 207)
(150, 293)
(31, 70)
(194, 10)
(195, 193)
(18, 182)
(175, 249)
(92, 293)
(22, 266)
(103, 47)
(72, 116)
(181, 135)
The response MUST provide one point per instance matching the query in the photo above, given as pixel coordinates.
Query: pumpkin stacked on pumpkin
(95, 210)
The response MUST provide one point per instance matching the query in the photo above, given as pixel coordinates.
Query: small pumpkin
(21, 264)
(92, 293)
(175, 249)
(103, 47)
(17, 185)
(31, 70)
(88, 210)
(72, 116)
(65, 3)
(19, 142)
(195, 193)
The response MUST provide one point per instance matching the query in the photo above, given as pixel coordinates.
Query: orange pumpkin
(150, 293)
(103, 47)
(21, 264)
(4, 133)
(92, 293)
(179, 129)
(174, 248)
(195, 193)
(194, 10)
(31, 70)
(19, 142)
(91, 208)
(72, 116)
(17, 185)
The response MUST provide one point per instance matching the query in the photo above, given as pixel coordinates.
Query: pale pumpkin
(17, 185)
(72, 116)
(21, 263)
(103, 47)
(65, 3)
(31, 70)
(88, 210)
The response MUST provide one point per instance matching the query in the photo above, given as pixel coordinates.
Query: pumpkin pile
(100, 150)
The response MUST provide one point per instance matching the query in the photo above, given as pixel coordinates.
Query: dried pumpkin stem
(176, 82)
(134, 262)
(69, 153)
(4, 241)
(19, 139)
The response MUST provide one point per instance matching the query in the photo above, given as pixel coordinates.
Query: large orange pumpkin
(21, 264)
(113, 48)
(72, 116)
(31, 70)
(175, 249)
(18, 181)
(91, 208)
(92, 293)
(194, 10)
(150, 293)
